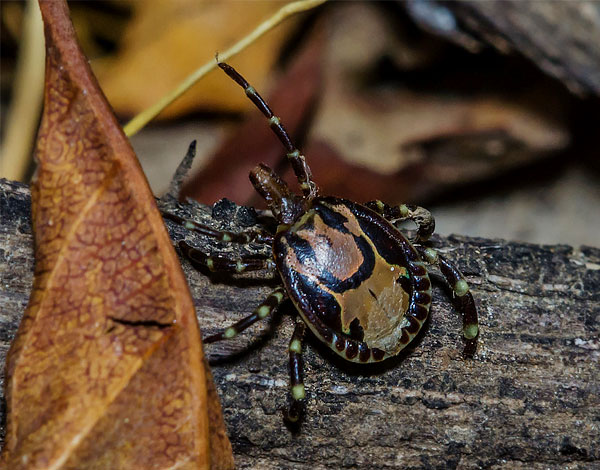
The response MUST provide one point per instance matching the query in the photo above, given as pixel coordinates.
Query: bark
(561, 38)
(529, 399)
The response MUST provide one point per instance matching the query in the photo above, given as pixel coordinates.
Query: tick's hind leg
(463, 297)
(394, 214)
(297, 393)
(221, 262)
(261, 312)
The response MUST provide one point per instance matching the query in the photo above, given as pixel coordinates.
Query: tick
(358, 283)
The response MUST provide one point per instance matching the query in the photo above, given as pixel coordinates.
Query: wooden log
(529, 399)
(561, 38)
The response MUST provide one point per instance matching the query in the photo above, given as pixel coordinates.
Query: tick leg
(225, 263)
(419, 215)
(297, 160)
(297, 393)
(261, 312)
(251, 235)
(462, 296)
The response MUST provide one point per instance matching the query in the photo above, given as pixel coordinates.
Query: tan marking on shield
(335, 252)
(379, 317)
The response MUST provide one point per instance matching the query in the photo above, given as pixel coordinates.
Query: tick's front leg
(264, 310)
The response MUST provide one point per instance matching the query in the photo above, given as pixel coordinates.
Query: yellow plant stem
(139, 121)
(28, 91)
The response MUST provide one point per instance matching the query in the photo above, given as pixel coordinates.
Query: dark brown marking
(364, 353)
(326, 335)
(420, 312)
(326, 249)
(414, 326)
(422, 298)
(377, 354)
(356, 330)
(422, 283)
(351, 349)
(417, 269)
(340, 343)
(405, 284)
(320, 308)
(404, 339)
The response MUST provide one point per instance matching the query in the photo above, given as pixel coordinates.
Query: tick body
(358, 283)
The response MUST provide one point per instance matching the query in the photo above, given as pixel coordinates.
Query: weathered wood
(530, 399)
(561, 38)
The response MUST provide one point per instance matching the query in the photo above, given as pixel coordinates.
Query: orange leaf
(166, 40)
(107, 369)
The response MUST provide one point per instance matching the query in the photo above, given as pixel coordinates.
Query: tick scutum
(349, 271)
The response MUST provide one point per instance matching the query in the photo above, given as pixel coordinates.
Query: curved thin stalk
(139, 121)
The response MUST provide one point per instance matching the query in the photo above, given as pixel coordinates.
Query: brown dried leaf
(450, 161)
(167, 40)
(107, 367)
(396, 138)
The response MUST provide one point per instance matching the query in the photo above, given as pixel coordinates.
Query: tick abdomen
(350, 274)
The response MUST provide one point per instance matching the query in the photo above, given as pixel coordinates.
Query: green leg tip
(461, 288)
(298, 392)
(471, 331)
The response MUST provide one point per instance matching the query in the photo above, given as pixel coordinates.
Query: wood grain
(528, 400)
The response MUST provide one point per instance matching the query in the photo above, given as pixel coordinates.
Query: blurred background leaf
(165, 40)
(486, 113)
